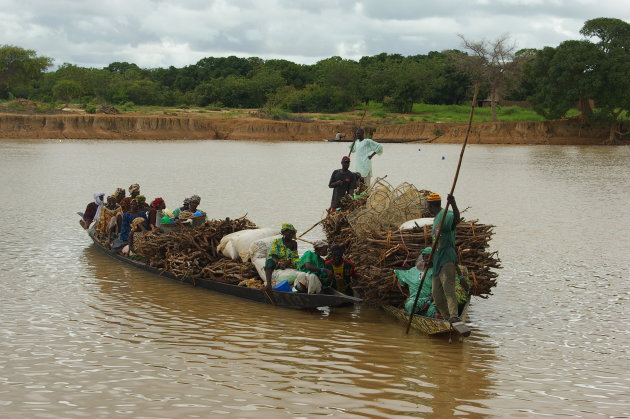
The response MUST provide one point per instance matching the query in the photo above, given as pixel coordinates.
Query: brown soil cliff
(149, 127)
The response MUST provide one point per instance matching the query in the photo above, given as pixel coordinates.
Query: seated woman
(92, 210)
(185, 207)
(343, 270)
(313, 272)
(282, 253)
(125, 226)
(109, 212)
(156, 213)
(412, 277)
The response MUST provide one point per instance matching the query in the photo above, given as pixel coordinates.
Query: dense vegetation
(552, 79)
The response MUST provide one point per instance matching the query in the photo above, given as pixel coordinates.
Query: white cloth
(99, 202)
(363, 149)
(308, 281)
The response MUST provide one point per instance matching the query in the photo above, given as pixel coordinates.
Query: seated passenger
(142, 203)
(125, 203)
(184, 207)
(412, 277)
(125, 226)
(156, 213)
(313, 272)
(282, 253)
(136, 235)
(105, 226)
(92, 210)
(343, 270)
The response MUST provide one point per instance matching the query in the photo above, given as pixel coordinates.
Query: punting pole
(459, 327)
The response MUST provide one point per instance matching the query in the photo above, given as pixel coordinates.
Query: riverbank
(167, 127)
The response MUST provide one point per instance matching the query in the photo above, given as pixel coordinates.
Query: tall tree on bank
(488, 64)
(18, 67)
(576, 71)
(612, 98)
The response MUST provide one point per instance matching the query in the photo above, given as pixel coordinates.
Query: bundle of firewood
(192, 252)
(377, 255)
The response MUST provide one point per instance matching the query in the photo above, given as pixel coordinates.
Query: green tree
(563, 77)
(612, 95)
(19, 67)
(66, 90)
(576, 71)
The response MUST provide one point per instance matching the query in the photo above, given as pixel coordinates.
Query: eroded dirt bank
(177, 128)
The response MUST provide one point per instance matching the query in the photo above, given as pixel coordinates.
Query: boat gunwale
(292, 300)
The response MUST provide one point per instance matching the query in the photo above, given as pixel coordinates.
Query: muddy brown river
(84, 336)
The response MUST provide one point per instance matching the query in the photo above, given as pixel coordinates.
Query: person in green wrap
(313, 272)
(412, 278)
(282, 254)
(444, 258)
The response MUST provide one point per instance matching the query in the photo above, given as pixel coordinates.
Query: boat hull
(294, 300)
(426, 325)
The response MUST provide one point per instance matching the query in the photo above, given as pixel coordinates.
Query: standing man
(365, 149)
(445, 257)
(343, 182)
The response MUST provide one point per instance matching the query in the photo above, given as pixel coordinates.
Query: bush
(90, 109)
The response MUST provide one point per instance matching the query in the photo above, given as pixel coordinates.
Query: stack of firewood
(377, 255)
(192, 252)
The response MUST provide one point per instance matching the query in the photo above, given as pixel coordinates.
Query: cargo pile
(368, 229)
(192, 252)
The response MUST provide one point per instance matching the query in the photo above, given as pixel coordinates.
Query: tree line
(552, 79)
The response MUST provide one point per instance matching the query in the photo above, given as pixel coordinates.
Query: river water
(83, 336)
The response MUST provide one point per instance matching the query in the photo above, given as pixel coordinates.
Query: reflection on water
(84, 335)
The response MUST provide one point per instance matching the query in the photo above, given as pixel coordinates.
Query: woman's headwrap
(134, 188)
(318, 244)
(119, 191)
(156, 203)
(195, 198)
(99, 202)
(141, 199)
(136, 222)
(287, 226)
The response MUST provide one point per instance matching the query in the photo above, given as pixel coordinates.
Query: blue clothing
(125, 228)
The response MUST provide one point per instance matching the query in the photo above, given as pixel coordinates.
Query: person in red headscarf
(155, 213)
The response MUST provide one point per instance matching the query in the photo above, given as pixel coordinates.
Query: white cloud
(160, 33)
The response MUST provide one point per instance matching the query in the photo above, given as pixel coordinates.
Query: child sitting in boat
(343, 270)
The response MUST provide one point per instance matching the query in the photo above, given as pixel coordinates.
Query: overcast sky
(157, 33)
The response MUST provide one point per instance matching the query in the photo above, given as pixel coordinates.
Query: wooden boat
(429, 325)
(381, 140)
(328, 297)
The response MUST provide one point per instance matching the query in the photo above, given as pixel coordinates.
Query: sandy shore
(164, 127)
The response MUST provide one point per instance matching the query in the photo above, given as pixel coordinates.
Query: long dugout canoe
(294, 300)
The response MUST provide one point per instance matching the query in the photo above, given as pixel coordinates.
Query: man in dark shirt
(343, 182)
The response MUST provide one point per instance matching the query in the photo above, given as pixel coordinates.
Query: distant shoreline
(165, 127)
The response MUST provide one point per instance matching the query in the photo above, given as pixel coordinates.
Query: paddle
(460, 328)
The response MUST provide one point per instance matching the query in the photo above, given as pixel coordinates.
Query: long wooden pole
(437, 237)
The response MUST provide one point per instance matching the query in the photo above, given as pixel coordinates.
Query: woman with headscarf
(282, 253)
(92, 210)
(313, 273)
(109, 212)
(125, 226)
(156, 213)
(134, 191)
